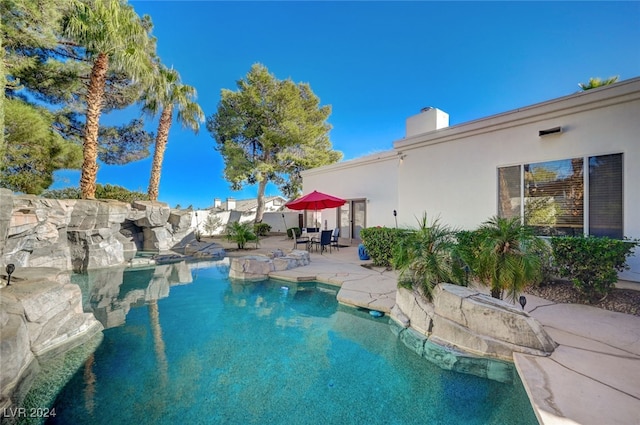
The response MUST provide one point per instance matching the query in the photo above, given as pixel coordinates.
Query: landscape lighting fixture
(523, 301)
(10, 269)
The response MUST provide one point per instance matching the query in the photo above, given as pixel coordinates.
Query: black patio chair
(324, 241)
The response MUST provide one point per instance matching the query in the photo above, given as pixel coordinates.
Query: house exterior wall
(374, 178)
(452, 172)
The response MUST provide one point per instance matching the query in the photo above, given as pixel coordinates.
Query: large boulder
(156, 239)
(150, 213)
(94, 248)
(257, 267)
(251, 268)
(41, 315)
(36, 235)
(478, 323)
(472, 322)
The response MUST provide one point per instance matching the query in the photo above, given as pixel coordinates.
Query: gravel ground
(621, 300)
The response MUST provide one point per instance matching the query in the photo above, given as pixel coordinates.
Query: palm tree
(507, 256)
(166, 94)
(114, 39)
(424, 256)
(598, 82)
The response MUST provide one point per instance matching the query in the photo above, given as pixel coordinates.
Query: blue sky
(375, 63)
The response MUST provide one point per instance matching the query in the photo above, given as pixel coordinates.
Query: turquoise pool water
(215, 352)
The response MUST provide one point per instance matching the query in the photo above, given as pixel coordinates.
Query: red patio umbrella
(315, 201)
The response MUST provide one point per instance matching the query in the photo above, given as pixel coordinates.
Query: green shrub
(261, 229)
(592, 263)
(241, 233)
(379, 243)
(548, 269)
(292, 230)
(106, 191)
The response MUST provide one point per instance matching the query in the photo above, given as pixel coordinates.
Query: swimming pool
(189, 346)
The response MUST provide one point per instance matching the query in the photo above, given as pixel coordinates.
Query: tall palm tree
(114, 39)
(598, 82)
(166, 94)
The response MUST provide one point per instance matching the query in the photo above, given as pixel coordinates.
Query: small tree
(212, 223)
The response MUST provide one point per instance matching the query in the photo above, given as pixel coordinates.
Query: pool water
(216, 352)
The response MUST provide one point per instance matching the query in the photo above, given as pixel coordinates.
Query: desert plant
(241, 233)
(592, 263)
(506, 258)
(424, 255)
(261, 229)
(379, 243)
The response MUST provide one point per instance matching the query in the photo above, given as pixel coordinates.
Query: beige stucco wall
(374, 178)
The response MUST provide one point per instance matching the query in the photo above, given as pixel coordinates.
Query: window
(605, 196)
(509, 184)
(550, 196)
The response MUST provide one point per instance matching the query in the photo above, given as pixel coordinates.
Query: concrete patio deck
(593, 377)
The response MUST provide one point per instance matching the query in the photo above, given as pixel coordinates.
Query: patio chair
(324, 241)
(334, 238)
(299, 239)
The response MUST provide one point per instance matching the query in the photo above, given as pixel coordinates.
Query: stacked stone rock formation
(82, 235)
(41, 315)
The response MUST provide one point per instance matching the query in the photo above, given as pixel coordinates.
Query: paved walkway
(593, 377)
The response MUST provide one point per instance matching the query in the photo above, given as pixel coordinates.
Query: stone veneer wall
(81, 235)
(462, 329)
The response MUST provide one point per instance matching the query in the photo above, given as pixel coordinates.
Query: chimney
(217, 203)
(231, 204)
(429, 119)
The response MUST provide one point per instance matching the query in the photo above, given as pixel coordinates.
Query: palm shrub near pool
(241, 233)
(379, 242)
(424, 256)
(592, 263)
(504, 255)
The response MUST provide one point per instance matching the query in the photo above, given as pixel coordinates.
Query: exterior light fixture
(523, 301)
(10, 269)
(550, 131)
(395, 217)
